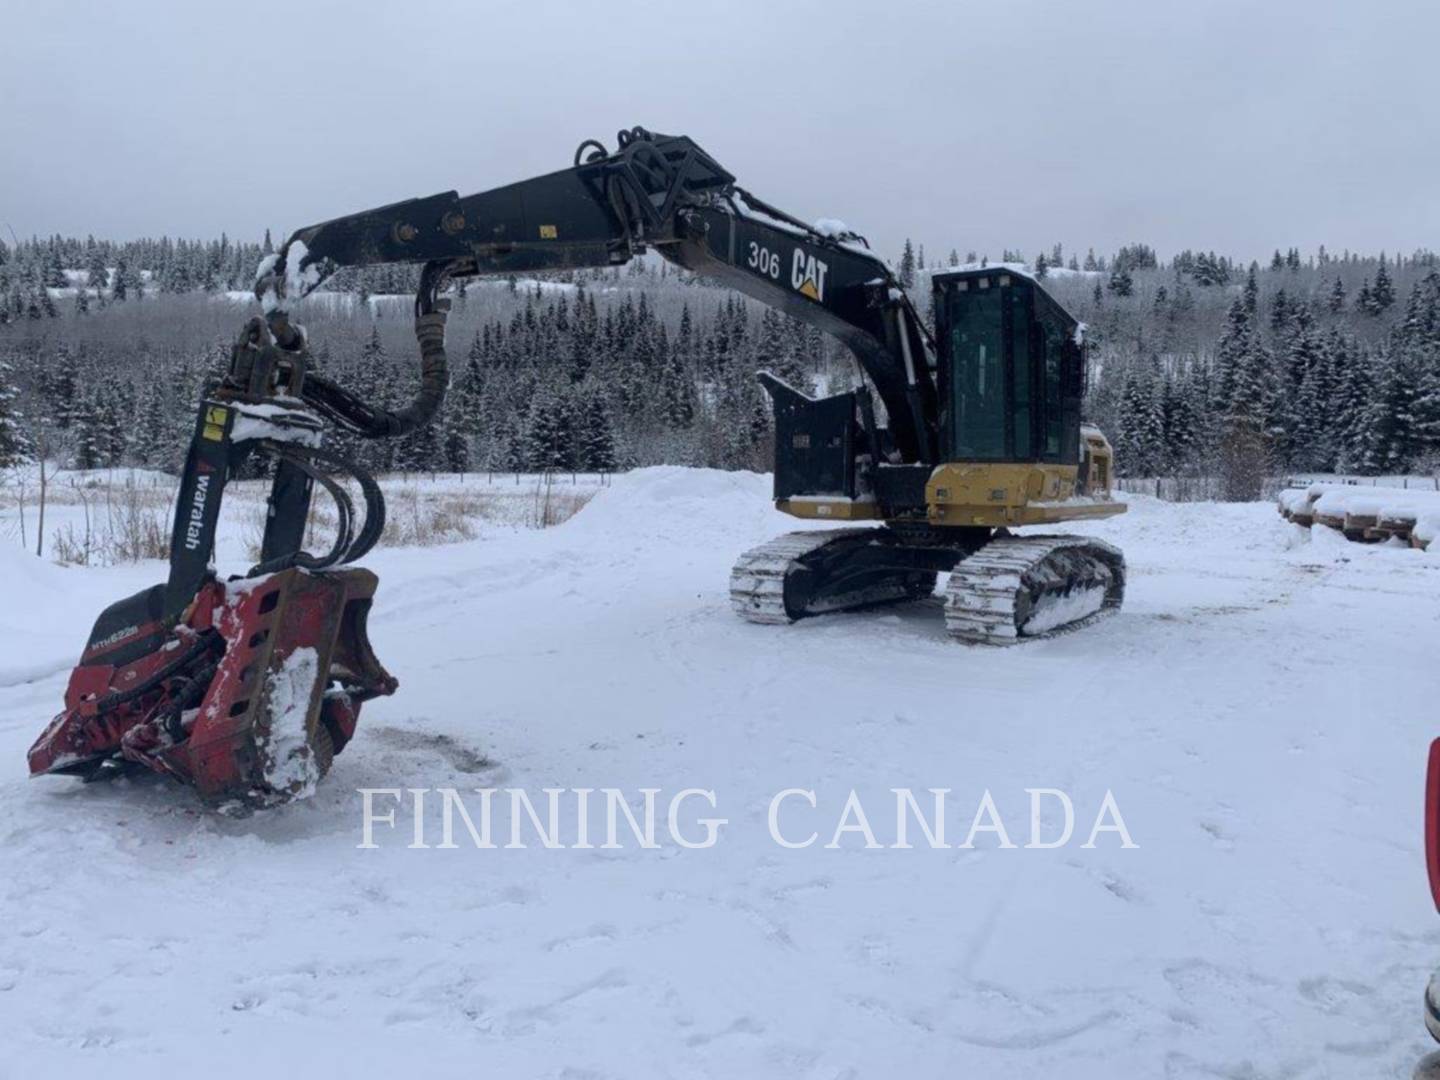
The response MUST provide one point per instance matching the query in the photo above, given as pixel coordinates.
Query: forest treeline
(1199, 366)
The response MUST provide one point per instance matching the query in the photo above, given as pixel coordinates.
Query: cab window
(977, 349)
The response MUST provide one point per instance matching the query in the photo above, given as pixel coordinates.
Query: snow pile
(38, 621)
(287, 761)
(667, 497)
(29, 581)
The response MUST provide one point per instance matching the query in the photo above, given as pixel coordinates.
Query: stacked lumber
(1365, 515)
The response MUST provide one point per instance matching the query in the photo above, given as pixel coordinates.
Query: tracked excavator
(246, 688)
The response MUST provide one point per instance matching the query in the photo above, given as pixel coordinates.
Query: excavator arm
(662, 193)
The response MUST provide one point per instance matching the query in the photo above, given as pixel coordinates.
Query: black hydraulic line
(344, 509)
(599, 155)
(374, 523)
(189, 695)
(360, 417)
(374, 506)
(207, 642)
(348, 545)
(344, 518)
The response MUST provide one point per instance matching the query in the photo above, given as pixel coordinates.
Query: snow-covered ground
(1260, 710)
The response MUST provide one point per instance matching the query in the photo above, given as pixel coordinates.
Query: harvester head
(247, 698)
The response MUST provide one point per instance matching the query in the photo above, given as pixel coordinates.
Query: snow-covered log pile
(1366, 514)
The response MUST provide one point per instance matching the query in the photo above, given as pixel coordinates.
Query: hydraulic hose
(348, 546)
(369, 422)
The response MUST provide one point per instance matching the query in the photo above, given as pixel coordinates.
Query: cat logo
(807, 275)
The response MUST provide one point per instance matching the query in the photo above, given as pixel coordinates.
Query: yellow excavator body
(995, 494)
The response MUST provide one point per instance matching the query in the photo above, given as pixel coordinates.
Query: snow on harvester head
(247, 688)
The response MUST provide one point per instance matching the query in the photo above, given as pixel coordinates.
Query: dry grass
(120, 524)
(103, 518)
(416, 519)
(551, 505)
(417, 515)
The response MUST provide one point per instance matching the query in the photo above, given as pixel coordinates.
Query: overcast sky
(1238, 126)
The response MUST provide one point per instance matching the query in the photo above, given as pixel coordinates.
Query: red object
(1432, 822)
(203, 703)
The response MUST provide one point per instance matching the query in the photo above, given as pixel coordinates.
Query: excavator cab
(1010, 378)
(1011, 369)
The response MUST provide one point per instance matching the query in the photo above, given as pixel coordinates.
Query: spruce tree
(1184, 424)
(677, 392)
(1427, 407)
(598, 451)
(54, 275)
(1244, 404)
(120, 286)
(14, 445)
(1391, 441)
(1382, 293)
(1352, 420)
(907, 265)
(1279, 311)
(1139, 442)
(1365, 299)
(1250, 294)
(89, 436)
(455, 446)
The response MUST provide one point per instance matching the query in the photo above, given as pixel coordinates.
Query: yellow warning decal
(215, 415)
(213, 432)
(548, 232)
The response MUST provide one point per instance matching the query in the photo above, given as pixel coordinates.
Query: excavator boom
(661, 193)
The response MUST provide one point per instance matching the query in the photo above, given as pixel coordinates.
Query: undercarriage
(1002, 590)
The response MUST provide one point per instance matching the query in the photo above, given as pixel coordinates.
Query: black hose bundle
(320, 465)
(353, 414)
